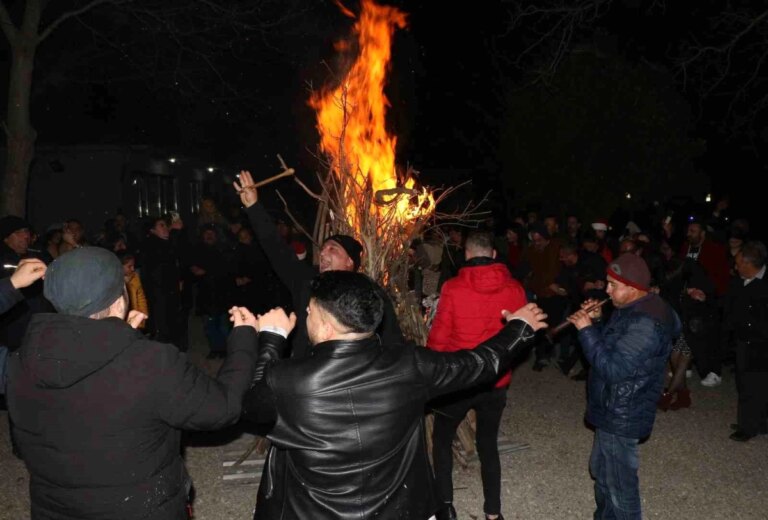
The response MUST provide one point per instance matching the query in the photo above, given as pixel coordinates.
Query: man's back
(348, 437)
(95, 409)
(469, 310)
(360, 448)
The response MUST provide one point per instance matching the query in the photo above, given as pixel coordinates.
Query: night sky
(451, 71)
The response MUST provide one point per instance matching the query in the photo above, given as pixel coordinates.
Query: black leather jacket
(346, 423)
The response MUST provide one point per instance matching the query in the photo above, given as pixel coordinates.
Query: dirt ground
(689, 469)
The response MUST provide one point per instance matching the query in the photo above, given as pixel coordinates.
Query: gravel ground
(689, 469)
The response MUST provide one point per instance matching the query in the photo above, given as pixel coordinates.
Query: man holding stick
(338, 253)
(627, 357)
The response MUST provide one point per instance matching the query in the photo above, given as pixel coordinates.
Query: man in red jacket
(469, 312)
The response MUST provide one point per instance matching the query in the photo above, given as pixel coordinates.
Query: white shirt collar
(760, 274)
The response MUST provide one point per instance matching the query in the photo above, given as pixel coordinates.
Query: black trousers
(752, 386)
(705, 346)
(555, 308)
(488, 404)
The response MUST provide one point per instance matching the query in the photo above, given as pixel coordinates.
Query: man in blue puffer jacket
(627, 356)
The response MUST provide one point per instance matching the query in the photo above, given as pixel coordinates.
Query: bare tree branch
(75, 12)
(553, 25)
(9, 28)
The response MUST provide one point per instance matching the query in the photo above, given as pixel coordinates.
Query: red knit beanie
(631, 270)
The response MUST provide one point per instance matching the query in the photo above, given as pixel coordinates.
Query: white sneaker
(688, 374)
(712, 379)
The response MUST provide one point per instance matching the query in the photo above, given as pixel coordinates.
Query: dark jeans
(164, 320)
(705, 346)
(488, 405)
(555, 307)
(216, 327)
(613, 464)
(752, 386)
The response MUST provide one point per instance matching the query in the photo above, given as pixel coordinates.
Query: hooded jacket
(469, 310)
(97, 412)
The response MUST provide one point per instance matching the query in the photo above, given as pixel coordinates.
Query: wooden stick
(286, 173)
(550, 334)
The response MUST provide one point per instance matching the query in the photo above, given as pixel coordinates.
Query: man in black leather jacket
(346, 422)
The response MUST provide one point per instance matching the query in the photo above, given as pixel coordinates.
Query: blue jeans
(613, 465)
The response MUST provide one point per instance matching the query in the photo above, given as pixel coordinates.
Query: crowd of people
(93, 335)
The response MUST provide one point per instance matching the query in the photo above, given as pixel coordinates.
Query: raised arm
(292, 272)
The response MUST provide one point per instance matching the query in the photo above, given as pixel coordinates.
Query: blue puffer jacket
(628, 357)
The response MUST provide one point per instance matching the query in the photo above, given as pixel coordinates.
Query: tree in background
(197, 48)
(600, 128)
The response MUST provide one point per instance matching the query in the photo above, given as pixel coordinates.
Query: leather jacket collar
(345, 347)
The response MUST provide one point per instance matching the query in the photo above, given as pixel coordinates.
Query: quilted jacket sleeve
(618, 361)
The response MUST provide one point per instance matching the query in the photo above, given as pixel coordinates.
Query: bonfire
(363, 192)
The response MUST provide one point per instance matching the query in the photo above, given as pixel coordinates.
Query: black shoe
(581, 375)
(740, 436)
(565, 368)
(761, 431)
(539, 366)
(447, 513)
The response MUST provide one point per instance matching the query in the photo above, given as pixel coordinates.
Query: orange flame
(351, 118)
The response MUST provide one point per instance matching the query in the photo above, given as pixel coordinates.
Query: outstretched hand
(244, 187)
(529, 313)
(135, 318)
(242, 317)
(278, 319)
(28, 272)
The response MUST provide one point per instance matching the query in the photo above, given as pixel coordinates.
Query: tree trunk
(20, 135)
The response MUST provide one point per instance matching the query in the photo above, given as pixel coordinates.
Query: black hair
(353, 299)
(125, 256)
(479, 239)
(570, 246)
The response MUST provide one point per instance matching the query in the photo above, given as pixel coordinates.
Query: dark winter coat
(745, 316)
(628, 357)
(97, 412)
(9, 295)
(14, 322)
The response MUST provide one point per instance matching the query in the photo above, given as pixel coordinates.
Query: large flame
(351, 118)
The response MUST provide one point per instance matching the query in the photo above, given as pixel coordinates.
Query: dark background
(615, 116)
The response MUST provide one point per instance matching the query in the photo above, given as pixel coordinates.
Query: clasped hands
(275, 318)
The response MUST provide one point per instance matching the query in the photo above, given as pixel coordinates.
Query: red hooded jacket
(469, 310)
